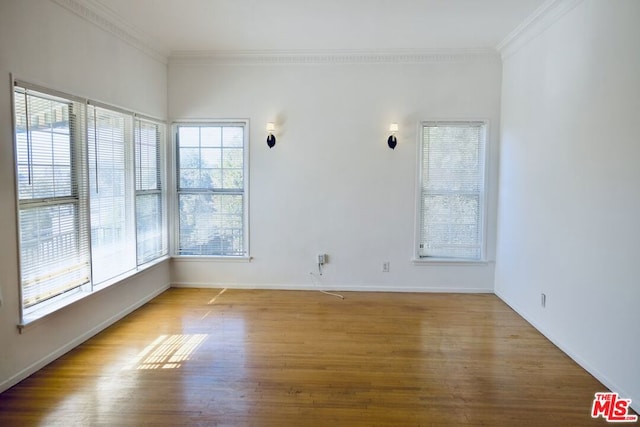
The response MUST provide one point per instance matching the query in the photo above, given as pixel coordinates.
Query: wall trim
(329, 287)
(111, 22)
(606, 381)
(36, 366)
(541, 19)
(301, 57)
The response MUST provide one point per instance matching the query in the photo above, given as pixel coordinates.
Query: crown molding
(541, 19)
(104, 18)
(330, 57)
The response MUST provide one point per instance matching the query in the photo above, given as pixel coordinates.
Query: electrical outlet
(543, 300)
(385, 266)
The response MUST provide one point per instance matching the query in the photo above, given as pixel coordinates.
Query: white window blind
(54, 256)
(452, 190)
(150, 207)
(113, 237)
(211, 189)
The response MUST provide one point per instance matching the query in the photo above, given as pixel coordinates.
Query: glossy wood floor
(286, 358)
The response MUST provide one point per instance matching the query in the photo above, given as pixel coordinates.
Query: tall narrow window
(150, 206)
(212, 189)
(113, 242)
(54, 256)
(451, 217)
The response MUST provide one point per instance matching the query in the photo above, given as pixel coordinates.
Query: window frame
(419, 259)
(176, 190)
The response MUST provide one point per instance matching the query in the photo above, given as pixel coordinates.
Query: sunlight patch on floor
(168, 351)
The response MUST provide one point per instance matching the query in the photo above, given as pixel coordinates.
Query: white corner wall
(569, 201)
(331, 185)
(44, 43)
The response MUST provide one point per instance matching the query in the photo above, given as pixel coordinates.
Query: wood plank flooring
(207, 357)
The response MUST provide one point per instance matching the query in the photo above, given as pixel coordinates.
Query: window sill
(207, 258)
(35, 316)
(449, 262)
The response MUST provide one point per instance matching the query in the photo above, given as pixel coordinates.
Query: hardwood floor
(287, 358)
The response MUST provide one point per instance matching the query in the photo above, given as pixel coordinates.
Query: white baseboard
(330, 287)
(33, 368)
(611, 385)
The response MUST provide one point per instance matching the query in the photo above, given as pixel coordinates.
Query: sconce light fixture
(271, 138)
(393, 141)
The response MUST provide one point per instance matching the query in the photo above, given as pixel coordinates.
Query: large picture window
(452, 170)
(91, 205)
(211, 178)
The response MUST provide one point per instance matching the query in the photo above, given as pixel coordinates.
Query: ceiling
(173, 26)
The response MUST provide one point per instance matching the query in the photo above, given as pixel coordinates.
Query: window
(91, 205)
(113, 239)
(451, 216)
(54, 256)
(212, 199)
(150, 204)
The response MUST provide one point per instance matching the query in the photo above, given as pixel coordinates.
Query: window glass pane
(50, 252)
(189, 178)
(189, 136)
(211, 224)
(43, 147)
(149, 227)
(453, 158)
(233, 136)
(211, 158)
(147, 155)
(232, 158)
(211, 178)
(211, 136)
(232, 178)
(189, 157)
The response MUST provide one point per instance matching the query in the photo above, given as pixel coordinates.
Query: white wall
(331, 185)
(43, 43)
(569, 205)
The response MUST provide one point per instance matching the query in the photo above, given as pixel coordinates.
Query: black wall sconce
(271, 138)
(392, 141)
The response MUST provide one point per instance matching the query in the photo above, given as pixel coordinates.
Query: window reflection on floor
(168, 351)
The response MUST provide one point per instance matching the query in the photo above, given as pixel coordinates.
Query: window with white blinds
(452, 170)
(54, 256)
(113, 237)
(91, 205)
(211, 189)
(150, 206)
